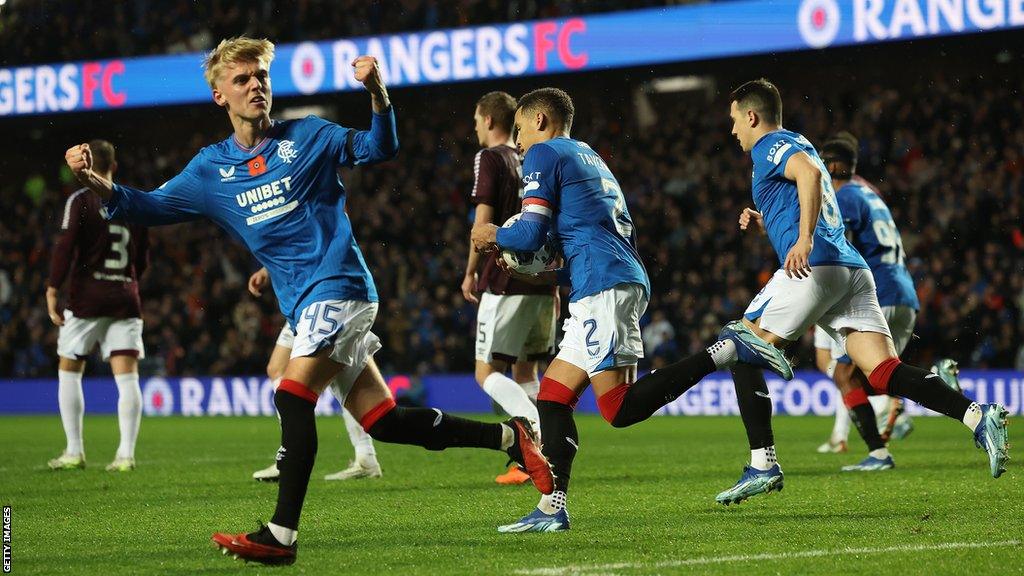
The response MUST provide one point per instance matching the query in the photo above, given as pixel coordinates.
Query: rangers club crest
(286, 151)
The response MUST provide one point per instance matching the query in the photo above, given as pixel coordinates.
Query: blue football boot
(871, 464)
(752, 349)
(538, 521)
(991, 435)
(752, 483)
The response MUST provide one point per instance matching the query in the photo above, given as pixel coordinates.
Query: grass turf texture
(642, 502)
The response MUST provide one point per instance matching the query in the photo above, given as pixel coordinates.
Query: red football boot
(525, 451)
(259, 546)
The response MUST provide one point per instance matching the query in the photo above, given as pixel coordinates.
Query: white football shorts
(344, 326)
(901, 320)
(515, 326)
(78, 336)
(836, 298)
(603, 330)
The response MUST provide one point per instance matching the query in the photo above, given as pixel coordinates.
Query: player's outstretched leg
(435, 430)
(763, 474)
(890, 376)
(754, 350)
(555, 403)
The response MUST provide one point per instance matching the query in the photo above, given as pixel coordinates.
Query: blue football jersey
(875, 236)
(283, 199)
(776, 198)
(590, 217)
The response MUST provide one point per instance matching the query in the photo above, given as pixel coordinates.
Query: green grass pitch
(642, 502)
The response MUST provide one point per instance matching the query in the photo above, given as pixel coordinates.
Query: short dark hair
(500, 106)
(762, 97)
(841, 150)
(102, 155)
(553, 102)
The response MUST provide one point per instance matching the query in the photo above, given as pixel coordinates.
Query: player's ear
(752, 119)
(488, 122)
(219, 98)
(541, 121)
(113, 168)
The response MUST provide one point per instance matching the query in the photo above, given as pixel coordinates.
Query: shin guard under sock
(659, 387)
(863, 416)
(755, 405)
(561, 440)
(295, 404)
(429, 428)
(920, 386)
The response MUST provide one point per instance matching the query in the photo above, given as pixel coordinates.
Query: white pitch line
(583, 569)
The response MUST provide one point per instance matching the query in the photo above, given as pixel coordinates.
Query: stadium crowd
(947, 158)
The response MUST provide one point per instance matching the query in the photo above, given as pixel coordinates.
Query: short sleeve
(771, 156)
(484, 171)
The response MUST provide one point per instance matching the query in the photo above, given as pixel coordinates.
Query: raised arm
(380, 142)
(79, 159)
(802, 170)
(180, 199)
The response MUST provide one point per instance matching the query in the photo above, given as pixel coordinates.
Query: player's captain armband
(536, 209)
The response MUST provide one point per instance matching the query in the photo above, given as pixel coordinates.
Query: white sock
(881, 453)
(532, 388)
(276, 382)
(285, 536)
(361, 441)
(723, 353)
(971, 418)
(763, 458)
(72, 406)
(841, 427)
(880, 403)
(552, 503)
(508, 436)
(129, 412)
(510, 396)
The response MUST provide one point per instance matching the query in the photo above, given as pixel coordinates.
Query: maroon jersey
(497, 182)
(102, 260)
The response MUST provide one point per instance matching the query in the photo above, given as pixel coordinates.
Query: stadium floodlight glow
(679, 84)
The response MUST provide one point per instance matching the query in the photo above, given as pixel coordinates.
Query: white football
(530, 262)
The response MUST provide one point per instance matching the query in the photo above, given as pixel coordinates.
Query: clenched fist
(79, 159)
(368, 73)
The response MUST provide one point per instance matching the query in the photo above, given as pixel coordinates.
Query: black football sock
(864, 419)
(561, 441)
(296, 456)
(927, 390)
(755, 405)
(434, 430)
(659, 387)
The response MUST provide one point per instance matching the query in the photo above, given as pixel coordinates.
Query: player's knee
(379, 421)
(881, 374)
(610, 405)
(554, 391)
(855, 397)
